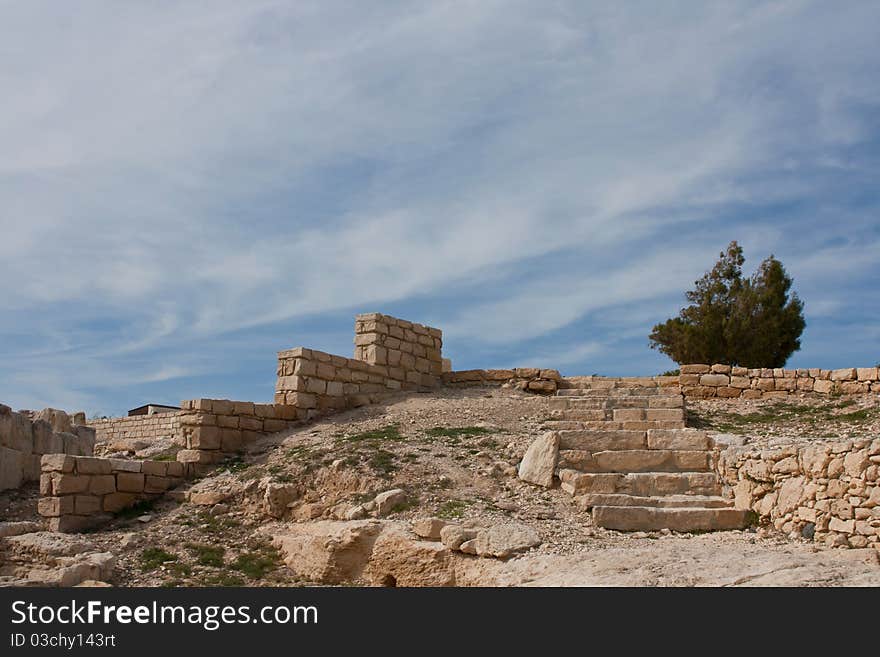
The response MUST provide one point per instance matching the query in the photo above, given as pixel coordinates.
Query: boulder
(503, 541)
(400, 560)
(539, 462)
(429, 528)
(327, 551)
(388, 501)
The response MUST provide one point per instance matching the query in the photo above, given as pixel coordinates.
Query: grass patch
(389, 432)
(233, 466)
(382, 462)
(209, 524)
(256, 564)
(452, 509)
(207, 555)
(151, 558)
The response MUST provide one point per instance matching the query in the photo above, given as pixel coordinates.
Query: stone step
(643, 518)
(590, 500)
(643, 484)
(598, 440)
(597, 403)
(599, 425)
(678, 439)
(635, 460)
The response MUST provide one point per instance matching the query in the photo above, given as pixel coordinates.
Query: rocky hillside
(422, 490)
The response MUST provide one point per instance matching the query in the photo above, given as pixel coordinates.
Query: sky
(187, 188)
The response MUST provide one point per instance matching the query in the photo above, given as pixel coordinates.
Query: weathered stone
(429, 527)
(388, 501)
(452, 536)
(399, 560)
(505, 540)
(539, 462)
(327, 551)
(714, 380)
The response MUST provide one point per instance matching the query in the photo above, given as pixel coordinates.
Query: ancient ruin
(383, 469)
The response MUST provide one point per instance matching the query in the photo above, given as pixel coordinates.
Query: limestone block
(205, 438)
(867, 373)
(11, 468)
(130, 482)
(695, 369)
(50, 507)
(102, 484)
(93, 465)
(845, 374)
(714, 380)
(539, 462)
(823, 386)
(57, 463)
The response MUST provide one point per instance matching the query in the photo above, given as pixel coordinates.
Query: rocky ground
(450, 455)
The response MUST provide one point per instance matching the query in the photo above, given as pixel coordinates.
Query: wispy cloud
(194, 186)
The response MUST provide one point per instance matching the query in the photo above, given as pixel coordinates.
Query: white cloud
(184, 170)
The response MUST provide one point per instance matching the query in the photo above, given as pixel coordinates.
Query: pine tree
(755, 322)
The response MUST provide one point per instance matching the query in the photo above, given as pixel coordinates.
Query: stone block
(867, 373)
(205, 438)
(130, 482)
(92, 465)
(695, 369)
(86, 505)
(102, 484)
(125, 465)
(117, 501)
(714, 380)
(11, 468)
(67, 484)
(845, 374)
(52, 507)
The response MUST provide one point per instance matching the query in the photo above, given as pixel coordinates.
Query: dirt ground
(455, 453)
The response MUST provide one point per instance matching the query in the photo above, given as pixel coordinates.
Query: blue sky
(188, 187)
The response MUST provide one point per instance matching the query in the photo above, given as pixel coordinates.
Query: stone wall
(213, 428)
(533, 379)
(138, 427)
(726, 381)
(26, 437)
(829, 492)
(79, 492)
(412, 352)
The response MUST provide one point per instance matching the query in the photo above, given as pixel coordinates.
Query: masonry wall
(138, 427)
(829, 492)
(213, 428)
(412, 352)
(26, 437)
(79, 492)
(541, 381)
(706, 381)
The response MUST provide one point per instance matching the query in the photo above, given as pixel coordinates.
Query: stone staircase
(625, 453)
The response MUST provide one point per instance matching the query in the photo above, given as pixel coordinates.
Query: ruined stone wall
(26, 437)
(829, 492)
(213, 428)
(411, 352)
(522, 378)
(725, 381)
(79, 492)
(138, 427)
(319, 383)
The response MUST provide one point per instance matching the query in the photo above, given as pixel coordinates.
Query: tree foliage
(751, 322)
